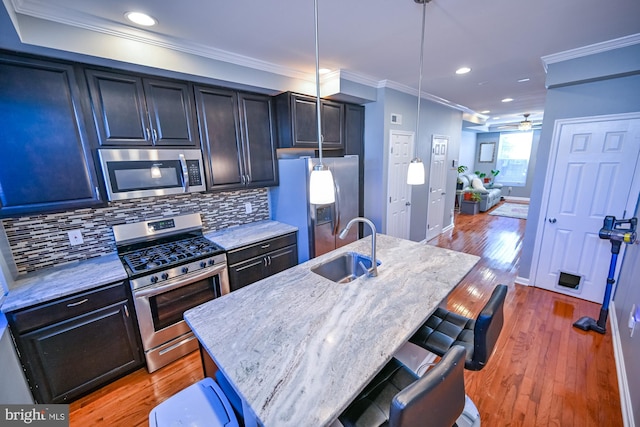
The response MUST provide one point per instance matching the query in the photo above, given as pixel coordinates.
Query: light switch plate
(75, 237)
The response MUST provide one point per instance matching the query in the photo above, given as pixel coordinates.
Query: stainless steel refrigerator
(318, 225)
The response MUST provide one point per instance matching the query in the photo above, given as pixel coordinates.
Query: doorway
(398, 191)
(593, 172)
(437, 185)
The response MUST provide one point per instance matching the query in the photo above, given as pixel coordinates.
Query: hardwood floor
(543, 373)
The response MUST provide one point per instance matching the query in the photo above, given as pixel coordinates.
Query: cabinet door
(259, 150)
(305, 122)
(119, 108)
(247, 272)
(170, 107)
(282, 259)
(332, 124)
(45, 159)
(97, 347)
(217, 112)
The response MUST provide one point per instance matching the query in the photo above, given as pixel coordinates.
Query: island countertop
(298, 347)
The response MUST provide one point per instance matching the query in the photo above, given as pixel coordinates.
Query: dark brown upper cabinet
(130, 110)
(238, 138)
(297, 122)
(45, 158)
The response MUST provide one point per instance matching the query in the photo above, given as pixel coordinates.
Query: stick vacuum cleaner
(617, 231)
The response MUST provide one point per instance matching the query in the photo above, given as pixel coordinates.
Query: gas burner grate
(161, 255)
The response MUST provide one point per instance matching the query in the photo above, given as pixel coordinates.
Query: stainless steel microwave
(132, 173)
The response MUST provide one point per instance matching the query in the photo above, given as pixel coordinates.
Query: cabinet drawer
(66, 308)
(251, 251)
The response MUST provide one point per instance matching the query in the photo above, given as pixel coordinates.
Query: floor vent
(569, 280)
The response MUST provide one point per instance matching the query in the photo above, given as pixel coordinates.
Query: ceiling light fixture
(140, 19)
(463, 70)
(507, 100)
(415, 172)
(525, 125)
(526, 79)
(321, 185)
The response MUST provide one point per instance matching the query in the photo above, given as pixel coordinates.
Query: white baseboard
(621, 370)
(522, 281)
(516, 199)
(447, 228)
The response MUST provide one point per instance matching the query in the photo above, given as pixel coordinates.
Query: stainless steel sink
(345, 267)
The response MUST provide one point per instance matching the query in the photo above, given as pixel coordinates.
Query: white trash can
(199, 405)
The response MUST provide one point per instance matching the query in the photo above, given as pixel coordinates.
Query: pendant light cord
(424, 14)
(319, 115)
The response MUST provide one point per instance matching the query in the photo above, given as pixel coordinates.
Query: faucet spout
(373, 271)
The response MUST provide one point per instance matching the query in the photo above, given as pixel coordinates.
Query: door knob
(408, 204)
(552, 220)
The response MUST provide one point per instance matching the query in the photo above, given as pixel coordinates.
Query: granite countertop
(298, 348)
(59, 281)
(243, 235)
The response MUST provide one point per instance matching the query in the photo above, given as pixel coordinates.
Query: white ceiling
(501, 40)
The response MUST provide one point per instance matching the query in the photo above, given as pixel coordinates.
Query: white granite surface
(60, 281)
(298, 347)
(242, 235)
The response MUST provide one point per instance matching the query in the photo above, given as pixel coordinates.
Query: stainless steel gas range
(172, 267)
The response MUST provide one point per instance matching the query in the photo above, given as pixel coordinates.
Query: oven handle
(179, 281)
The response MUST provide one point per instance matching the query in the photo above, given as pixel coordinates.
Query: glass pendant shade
(321, 188)
(415, 173)
(525, 126)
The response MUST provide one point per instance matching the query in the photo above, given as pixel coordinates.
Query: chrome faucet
(373, 271)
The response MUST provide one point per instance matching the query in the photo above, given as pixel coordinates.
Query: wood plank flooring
(544, 372)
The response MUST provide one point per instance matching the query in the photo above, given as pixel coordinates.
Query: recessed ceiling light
(485, 111)
(140, 19)
(526, 79)
(507, 100)
(463, 70)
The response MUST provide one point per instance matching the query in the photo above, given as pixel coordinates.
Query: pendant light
(415, 173)
(321, 186)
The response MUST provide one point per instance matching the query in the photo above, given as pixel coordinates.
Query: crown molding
(593, 49)
(42, 10)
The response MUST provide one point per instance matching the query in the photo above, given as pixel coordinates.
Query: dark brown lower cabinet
(76, 344)
(257, 261)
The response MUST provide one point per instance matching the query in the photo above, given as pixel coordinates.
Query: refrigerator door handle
(336, 206)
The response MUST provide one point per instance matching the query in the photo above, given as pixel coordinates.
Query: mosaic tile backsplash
(42, 241)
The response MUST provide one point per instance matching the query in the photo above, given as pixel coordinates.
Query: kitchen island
(298, 348)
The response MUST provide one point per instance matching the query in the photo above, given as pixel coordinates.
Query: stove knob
(165, 276)
(203, 264)
(185, 270)
(212, 261)
(154, 279)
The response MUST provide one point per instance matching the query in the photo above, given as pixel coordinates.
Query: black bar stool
(397, 397)
(478, 336)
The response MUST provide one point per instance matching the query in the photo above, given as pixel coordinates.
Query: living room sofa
(490, 194)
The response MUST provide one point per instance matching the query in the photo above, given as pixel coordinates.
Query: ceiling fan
(525, 125)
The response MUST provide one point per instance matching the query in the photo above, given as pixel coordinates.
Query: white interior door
(593, 177)
(398, 191)
(437, 186)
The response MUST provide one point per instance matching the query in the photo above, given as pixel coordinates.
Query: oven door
(160, 308)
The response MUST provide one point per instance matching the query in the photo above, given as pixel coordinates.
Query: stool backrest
(436, 399)
(488, 327)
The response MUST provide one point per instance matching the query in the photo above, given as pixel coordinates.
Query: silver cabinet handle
(75, 304)
(185, 173)
(126, 310)
(155, 135)
(265, 246)
(552, 220)
(148, 134)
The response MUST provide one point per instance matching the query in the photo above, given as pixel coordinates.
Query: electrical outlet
(248, 208)
(75, 237)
